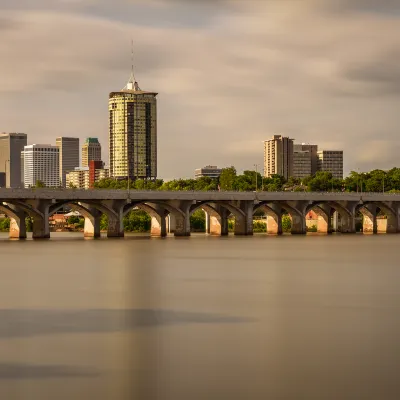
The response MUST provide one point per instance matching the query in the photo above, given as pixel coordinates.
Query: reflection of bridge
(171, 210)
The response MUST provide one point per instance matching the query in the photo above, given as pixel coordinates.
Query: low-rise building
(85, 177)
(210, 171)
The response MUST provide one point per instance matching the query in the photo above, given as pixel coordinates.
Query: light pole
(383, 183)
(256, 175)
(5, 170)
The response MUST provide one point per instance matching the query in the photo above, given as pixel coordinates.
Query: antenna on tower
(132, 84)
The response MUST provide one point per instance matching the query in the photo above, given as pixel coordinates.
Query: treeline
(373, 181)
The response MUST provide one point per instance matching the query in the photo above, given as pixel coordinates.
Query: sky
(229, 73)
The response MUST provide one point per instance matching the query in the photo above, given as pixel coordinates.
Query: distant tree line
(373, 181)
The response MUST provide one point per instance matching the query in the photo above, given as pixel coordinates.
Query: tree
(227, 178)
(286, 223)
(40, 184)
(198, 221)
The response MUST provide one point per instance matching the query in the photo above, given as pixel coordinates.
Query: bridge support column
(115, 215)
(324, 220)
(370, 224)
(171, 223)
(40, 228)
(217, 221)
(17, 225)
(158, 226)
(274, 225)
(92, 227)
(347, 224)
(244, 222)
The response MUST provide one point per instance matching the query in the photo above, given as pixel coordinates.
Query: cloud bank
(229, 75)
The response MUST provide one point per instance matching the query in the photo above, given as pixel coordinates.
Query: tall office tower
(41, 163)
(305, 160)
(11, 145)
(331, 161)
(133, 132)
(278, 156)
(91, 151)
(69, 156)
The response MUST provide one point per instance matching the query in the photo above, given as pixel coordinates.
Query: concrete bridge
(170, 211)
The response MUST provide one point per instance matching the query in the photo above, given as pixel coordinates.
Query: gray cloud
(229, 75)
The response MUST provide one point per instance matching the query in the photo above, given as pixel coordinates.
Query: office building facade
(331, 161)
(85, 177)
(305, 160)
(41, 163)
(11, 145)
(210, 171)
(278, 156)
(133, 132)
(91, 151)
(69, 156)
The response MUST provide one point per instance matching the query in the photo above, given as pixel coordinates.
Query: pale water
(311, 317)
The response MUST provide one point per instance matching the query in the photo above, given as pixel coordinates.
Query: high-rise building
(69, 156)
(133, 132)
(331, 161)
(278, 156)
(11, 145)
(41, 163)
(91, 151)
(211, 171)
(305, 160)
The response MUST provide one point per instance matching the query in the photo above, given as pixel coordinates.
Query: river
(310, 317)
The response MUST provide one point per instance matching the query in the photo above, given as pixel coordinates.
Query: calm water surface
(311, 317)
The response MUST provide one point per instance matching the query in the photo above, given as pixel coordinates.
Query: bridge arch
(372, 211)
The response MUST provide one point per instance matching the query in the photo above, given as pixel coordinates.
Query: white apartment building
(278, 156)
(331, 161)
(79, 178)
(41, 163)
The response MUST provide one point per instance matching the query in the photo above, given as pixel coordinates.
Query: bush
(137, 221)
(312, 228)
(286, 223)
(259, 226)
(198, 221)
(4, 224)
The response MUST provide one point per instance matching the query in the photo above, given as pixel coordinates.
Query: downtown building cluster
(283, 157)
(132, 149)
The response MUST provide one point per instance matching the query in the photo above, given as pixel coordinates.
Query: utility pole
(5, 171)
(256, 175)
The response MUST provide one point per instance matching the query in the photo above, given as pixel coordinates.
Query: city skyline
(204, 62)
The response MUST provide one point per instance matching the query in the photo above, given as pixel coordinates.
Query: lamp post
(256, 174)
(5, 169)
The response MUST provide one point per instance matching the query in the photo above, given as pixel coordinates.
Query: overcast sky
(229, 75)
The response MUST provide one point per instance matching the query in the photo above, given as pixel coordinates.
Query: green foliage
(227, 178)
(138, 184)
(198, 221)
(73, 219)
(29, 224)
(4, 224)
(322, 181)
(286, 223)
(103, 222)
(137, 221)
(40, 184)
(259, 226)
(231, 225)
(312, 228)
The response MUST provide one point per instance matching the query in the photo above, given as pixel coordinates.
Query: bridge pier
(244, 221)
(18, 227)
(92, 227)
(158, 227)
(115, 213)
(370, 224)
(324, 220)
